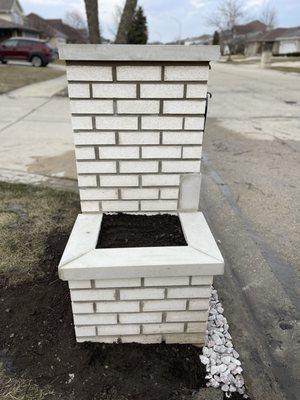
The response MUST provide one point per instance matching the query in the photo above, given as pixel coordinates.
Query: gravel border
(222, 362)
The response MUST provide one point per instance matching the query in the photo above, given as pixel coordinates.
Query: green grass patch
(28, 215)
(16, 76)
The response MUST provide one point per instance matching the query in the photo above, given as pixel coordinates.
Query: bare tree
(228, 14)
(269, 16)
(125, 22)
(75, 19)
(116, 18)
(91, 8)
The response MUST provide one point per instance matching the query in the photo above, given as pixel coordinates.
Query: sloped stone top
(82, 260)
(146, 53)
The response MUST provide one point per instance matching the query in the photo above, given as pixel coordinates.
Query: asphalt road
(250, 195)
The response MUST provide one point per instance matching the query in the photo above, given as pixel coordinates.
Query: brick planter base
(160, 293)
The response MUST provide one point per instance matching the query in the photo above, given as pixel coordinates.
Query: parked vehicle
(38, 52)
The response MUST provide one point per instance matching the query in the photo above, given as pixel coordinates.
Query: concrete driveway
(250, 195)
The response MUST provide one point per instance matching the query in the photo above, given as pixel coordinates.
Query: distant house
(203, 39)
(11, 10)
(48, 33)
(238, 38)
(289, 42)
(55, 31)
(73, 35)
(12, 21)
(279, 41)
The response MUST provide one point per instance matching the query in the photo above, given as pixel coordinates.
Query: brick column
(138, 121)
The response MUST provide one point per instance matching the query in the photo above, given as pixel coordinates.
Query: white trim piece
(103, 52)
(81, 259)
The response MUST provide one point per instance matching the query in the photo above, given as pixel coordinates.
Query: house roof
(253, 26)
(272, 35)
(72, 34)
(37, 22)
(4, 24)
(290, 33)
(7, 5)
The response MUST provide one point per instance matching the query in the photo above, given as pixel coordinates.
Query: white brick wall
(89, 73)
(147, 310)
(194, 123)
(116, 123)
(91, 106)
(87, 180)
(132, 294)
(164, 305)
(138, 106)
(138, 73)
(180, 166)
(96, 167)
(158, 205)
(161, 152)
(82, 123)
(85, 153)
(132, 194)
(196, 91)
(162, 91)
(167, 281)
(79, 90)
(114, 90)
(160, 180)
(90, 206)
(119, 180)
(120, 206)
(162, 122)
(95, 194)
(182, 137)
(169, 193)
(82, 308)
(150, 115)
(139, 138)
(119, 152)
(138, 166)
(192, 152)
(94, 138)
(184, 107)
(186, 73)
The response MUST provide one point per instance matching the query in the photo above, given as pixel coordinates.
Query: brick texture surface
(136, 126)
(144, 310)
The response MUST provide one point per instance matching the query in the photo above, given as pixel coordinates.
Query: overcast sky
(167, 19)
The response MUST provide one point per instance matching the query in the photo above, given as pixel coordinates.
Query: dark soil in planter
(128, 230)
(37, 343)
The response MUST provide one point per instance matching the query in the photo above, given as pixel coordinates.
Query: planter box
(138, 115)
(143, 294)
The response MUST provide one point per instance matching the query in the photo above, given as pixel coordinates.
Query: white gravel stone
(220, 358)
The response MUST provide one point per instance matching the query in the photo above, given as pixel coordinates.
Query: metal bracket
(208, 96)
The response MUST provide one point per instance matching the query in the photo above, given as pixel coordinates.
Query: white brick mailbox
(138, 115)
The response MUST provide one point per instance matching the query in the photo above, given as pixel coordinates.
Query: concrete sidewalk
(35, 133)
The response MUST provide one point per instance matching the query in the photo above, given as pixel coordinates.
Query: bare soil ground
(39, 357)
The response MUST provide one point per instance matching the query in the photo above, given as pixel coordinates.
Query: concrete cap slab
(147, 53)
(82, 260)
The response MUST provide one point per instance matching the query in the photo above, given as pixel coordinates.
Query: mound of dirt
(37, 341)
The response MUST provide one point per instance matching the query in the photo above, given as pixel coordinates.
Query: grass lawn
(286, 69)
(28, 216)
(16, 76)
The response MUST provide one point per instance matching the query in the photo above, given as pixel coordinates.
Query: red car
(35, 51)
